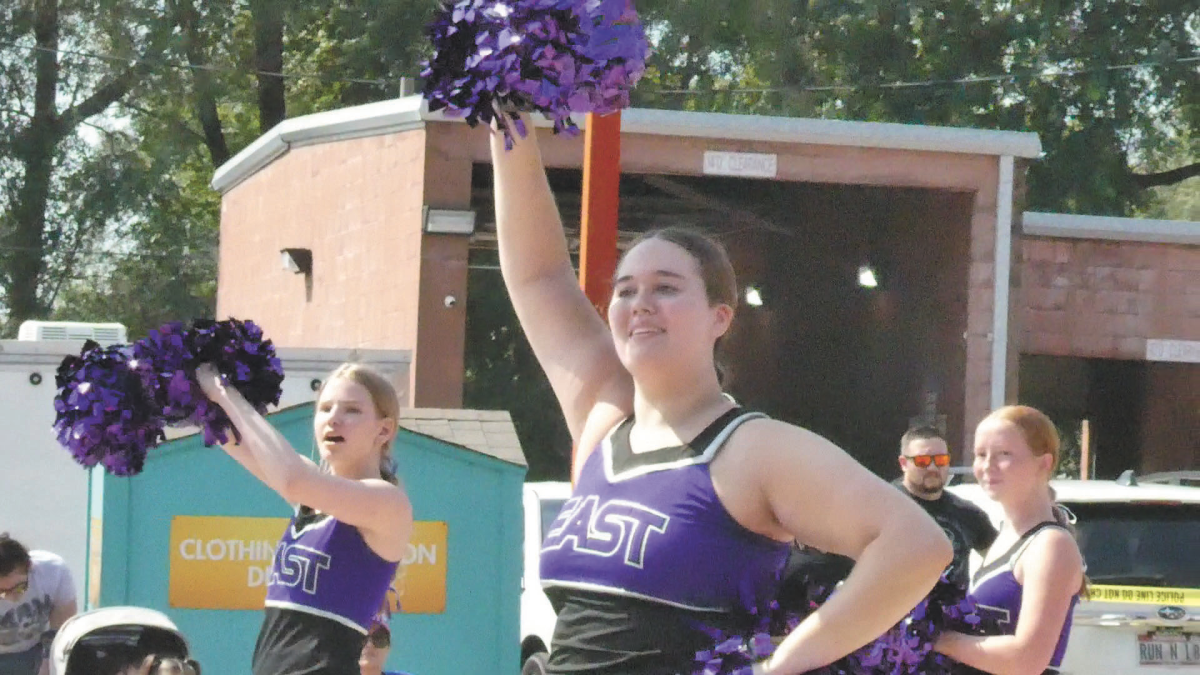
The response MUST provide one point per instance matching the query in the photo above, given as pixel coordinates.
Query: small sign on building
(745, 164)
(1177, 351)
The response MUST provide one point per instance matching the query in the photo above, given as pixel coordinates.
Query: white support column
(1004, 232)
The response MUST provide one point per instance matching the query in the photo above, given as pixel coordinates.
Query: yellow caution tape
(1146, 595)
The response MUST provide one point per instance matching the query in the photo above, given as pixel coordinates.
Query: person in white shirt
(37, 595)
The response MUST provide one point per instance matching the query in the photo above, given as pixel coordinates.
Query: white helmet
(85, 637)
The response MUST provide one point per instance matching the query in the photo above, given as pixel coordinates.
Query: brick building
(356, 228)
(1111, 333)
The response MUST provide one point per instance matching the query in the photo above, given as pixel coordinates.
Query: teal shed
(192, 534)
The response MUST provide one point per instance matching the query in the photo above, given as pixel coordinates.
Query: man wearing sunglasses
(925, 461)
(36, 596)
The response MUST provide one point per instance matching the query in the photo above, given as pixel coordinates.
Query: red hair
(1039, 432)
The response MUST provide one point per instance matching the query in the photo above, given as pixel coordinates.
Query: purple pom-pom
(103, 415)
(556, 57)
(905, 649)
(167, 359)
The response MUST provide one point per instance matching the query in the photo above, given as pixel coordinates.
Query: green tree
(234, 71)
(1108, 87)
(57, 190)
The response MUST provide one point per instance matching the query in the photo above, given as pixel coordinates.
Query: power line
(973, 79)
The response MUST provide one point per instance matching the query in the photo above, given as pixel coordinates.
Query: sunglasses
(923, 461)
(17, 589)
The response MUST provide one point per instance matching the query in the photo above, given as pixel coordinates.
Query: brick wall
(1103, 299)
(357, 205)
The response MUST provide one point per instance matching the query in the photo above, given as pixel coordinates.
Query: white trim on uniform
(279, 604)
(703, 458)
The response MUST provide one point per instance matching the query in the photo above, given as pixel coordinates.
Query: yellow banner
(1189, 597)
(420, 586)
(220, 562)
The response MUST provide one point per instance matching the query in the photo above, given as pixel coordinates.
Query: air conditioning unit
(104, 333)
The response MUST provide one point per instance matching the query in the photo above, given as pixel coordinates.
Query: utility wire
(974, 79)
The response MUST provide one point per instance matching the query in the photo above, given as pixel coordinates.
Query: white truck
(43, 492)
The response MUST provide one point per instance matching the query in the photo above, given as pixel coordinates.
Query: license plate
(1169, 649)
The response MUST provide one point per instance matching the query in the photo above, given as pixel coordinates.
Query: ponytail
(1066, 520)
(387, 466)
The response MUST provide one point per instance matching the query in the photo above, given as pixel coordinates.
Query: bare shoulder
(786, 474)
(393, 509)
(385, 517)
(1055, 546)
(1051, 561)
(770, 441)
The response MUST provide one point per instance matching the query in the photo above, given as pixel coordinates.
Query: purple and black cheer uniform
(644, 560)
(325, 588)
(996, 591)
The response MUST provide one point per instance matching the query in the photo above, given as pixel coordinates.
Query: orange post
(598, 222)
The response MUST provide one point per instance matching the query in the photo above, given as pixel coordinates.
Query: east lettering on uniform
(604, 529)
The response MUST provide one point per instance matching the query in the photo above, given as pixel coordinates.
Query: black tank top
(299, 643)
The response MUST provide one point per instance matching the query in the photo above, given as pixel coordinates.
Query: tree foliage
(1111, 88)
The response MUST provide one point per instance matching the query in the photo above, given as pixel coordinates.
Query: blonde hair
(383, 396)
(1040, 434)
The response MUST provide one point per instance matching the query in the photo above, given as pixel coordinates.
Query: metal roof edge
(413, 112)
(363, 120)
(1075, 226)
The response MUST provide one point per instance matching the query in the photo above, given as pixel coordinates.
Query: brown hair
(921, 433)
(720, 282)
(387, 405)
(13, 556)
(1041, 436)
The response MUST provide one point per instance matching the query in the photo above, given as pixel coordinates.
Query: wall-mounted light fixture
(443, 221)
(753, 296)
(866, 277)
(298, 260)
